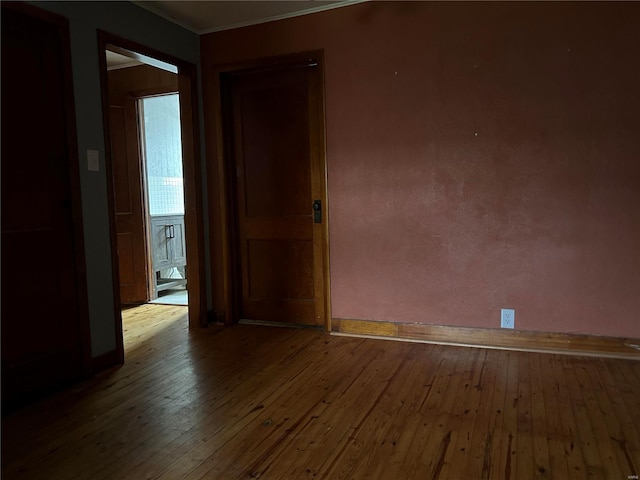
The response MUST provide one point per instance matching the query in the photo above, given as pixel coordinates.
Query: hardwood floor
(266, 402)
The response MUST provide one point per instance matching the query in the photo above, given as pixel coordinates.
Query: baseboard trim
(540, 342)
(104, 361)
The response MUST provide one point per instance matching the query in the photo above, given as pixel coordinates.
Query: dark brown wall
(480, 156)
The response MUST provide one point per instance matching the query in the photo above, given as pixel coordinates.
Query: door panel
(129, 202)
(275, 130)
(122, 187)
(178, 242)
(125, 251)
(43, 316)
(276, 266)
(160, 240)
(281, 267)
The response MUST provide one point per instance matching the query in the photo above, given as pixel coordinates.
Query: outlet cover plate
(507, 318)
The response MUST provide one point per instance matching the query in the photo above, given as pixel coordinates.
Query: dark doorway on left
(45, 329)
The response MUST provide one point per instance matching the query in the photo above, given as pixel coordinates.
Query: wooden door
(178, 243)
(44, 312)
(129, 201)
(275, 120)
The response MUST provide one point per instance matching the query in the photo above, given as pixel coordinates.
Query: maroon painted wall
(479, 155)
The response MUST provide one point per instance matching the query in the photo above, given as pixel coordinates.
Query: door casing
(187, 88)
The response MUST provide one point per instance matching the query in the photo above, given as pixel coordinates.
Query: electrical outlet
(507, 317)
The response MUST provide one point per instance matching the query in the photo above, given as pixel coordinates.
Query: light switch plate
(93, 160)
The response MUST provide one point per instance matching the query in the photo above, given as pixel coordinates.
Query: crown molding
(248, 23)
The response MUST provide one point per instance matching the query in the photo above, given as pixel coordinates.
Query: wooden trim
(115, 268)
(76, 197)
(218, 209)
(268, 63)
(322, 145)
(150, 274)
(106, 360)
(192, 172)
(187, 88)
(542, 342)
(154, 92)
(319, 162)
(220, 180)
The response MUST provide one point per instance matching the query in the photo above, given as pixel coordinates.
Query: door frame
(222, 180)
(194, 225)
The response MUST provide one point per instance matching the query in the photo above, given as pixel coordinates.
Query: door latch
(317, 211)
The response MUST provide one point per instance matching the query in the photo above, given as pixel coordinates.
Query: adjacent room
(320, 239)
(148, 180)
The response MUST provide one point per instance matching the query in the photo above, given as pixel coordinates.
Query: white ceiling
(213, 16)
(116, 60)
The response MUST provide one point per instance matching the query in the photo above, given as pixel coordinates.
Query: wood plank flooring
(266, 402)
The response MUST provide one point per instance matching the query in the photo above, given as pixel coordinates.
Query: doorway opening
(161, 154)
(154, 179)
(146, 157)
